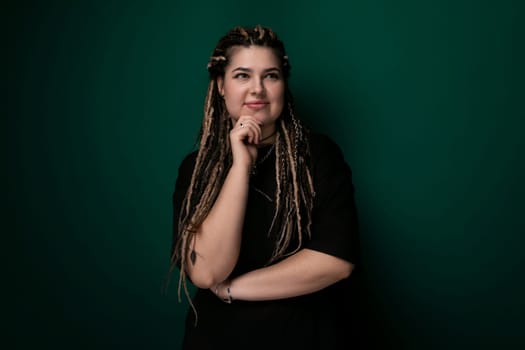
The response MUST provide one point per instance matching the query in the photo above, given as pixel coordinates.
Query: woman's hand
(244, 136)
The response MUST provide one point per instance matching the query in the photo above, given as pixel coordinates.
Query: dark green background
(104, 98)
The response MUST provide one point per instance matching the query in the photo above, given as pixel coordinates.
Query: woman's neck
(268, 139)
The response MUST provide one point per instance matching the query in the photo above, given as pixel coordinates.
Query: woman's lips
(256, 105)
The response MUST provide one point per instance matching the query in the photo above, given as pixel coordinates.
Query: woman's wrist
(242, 168)
(223, 291)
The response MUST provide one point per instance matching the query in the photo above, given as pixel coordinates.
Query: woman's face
(253, 85)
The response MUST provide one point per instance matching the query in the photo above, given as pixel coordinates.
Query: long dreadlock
(295, 191)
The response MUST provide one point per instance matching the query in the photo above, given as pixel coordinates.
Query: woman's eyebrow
(244, 69)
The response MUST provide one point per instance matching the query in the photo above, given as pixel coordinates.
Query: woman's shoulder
(331, 172)
(324, 146)
(188, 163)
(327, 158)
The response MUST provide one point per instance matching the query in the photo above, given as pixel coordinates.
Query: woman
(264, 215)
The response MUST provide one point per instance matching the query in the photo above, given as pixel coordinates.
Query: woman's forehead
(256, 56)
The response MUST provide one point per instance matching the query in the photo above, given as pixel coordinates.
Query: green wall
(104, 98)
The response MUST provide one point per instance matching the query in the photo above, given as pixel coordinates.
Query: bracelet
(228, 299)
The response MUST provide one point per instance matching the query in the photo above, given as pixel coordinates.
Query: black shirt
(315, 321)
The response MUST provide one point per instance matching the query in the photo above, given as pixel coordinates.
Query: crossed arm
(305, 272)
(215, 253)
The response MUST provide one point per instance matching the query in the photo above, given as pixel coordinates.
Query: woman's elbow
(345, 270)
(202, 279)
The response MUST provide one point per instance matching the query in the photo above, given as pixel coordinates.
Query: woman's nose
(257, 86)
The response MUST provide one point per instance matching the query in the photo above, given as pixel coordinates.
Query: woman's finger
(253, 128)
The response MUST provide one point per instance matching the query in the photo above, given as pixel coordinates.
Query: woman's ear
(220, 85)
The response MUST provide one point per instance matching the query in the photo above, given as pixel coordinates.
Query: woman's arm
(216, 245)
(305, 272)
(217, 242)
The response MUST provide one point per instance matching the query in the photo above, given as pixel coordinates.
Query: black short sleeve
(181, 186)
(334, 218)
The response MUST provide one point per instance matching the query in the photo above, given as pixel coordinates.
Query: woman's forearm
(305, 272)
(216, 245)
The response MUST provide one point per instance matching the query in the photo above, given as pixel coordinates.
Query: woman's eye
(241, 76)
(273, 76)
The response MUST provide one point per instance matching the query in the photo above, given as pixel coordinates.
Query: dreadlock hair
(295, 192)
